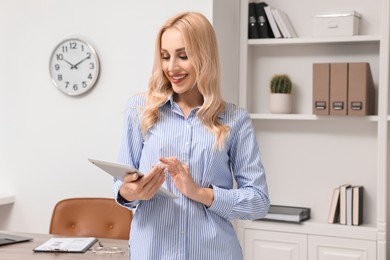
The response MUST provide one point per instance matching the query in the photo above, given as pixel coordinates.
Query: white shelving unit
(306, 156)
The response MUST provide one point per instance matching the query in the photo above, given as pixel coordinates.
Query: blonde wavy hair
(202, 51)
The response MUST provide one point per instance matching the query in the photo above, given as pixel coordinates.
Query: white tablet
(119, 171)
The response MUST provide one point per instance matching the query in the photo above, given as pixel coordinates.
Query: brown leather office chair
(91, 217)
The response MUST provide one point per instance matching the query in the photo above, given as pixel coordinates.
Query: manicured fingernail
(160, 165)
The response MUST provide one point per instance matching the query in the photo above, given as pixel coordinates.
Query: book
(343, 203)
(253, 32)
(334, 211)
(263, 26)
(357, 205)
(287, 213)
(272, 22)
(349, 206)
(284, 23)
(287, 22)
(69, 244)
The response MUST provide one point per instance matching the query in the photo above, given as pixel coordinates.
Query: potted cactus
(280, 97)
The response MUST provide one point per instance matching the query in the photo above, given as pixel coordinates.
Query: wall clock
(74, 66)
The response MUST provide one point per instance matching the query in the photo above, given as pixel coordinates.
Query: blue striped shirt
(182, 229)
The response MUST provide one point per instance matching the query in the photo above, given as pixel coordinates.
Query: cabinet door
(267, 245)
(331, 248)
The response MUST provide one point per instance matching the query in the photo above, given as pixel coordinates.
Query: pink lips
(176, 79)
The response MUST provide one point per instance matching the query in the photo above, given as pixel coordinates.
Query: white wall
(45, 136)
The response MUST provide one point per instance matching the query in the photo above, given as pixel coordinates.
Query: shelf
(319, 152)
(315, 40)
(6, 199)
(260, 116)
(313, 228)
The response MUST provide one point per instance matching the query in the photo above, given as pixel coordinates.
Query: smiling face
(175, 63)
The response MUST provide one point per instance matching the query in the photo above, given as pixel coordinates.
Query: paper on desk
(71, 245)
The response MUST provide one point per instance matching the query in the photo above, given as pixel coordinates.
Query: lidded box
(336, 23)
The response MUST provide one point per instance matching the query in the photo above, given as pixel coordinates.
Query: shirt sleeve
(131, 146)
(250, 200)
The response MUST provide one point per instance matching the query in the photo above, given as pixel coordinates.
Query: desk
(6, 199)
(24, 250)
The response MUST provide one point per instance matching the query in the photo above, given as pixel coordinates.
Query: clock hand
(71, 65)
(78, 63)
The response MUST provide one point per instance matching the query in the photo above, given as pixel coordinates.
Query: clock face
(74, 67)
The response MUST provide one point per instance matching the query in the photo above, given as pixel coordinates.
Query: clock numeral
(73, 45)
(57, 67)
(84, 84)
(59, 56)
(66, 84)
(82, 47)
(90, 76)
(91, 65)
(75, 87)
(59, 77)
(64, 48)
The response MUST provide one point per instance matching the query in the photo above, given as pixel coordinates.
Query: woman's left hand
(181, 175)
(184, 182)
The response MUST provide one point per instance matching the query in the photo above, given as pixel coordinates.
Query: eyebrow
(178, 50)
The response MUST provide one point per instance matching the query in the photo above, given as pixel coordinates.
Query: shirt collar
(172, 102)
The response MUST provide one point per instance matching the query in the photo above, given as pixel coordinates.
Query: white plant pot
(280, 103)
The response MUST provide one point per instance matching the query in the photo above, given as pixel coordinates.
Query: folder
(338, 88)
(361, 89)
(321, 81)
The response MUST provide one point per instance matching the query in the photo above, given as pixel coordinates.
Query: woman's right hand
(135, 187)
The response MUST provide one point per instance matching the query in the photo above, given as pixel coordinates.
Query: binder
(263, 25)
(361, 90)
(253, 32)
(338, 88)
(321, 85)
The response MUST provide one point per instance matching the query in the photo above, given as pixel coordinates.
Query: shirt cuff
(124, 202)
(223, 202)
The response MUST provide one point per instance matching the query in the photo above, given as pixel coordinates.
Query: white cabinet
(332, 248)
(271, 245)
(267, 245)
(306, 156)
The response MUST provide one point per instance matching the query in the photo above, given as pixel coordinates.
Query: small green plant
(281, 83)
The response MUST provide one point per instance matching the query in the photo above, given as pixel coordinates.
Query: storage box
(336, 24)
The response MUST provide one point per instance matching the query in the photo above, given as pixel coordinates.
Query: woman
(183, 136)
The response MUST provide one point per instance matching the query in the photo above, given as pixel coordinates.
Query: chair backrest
(91, 217)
